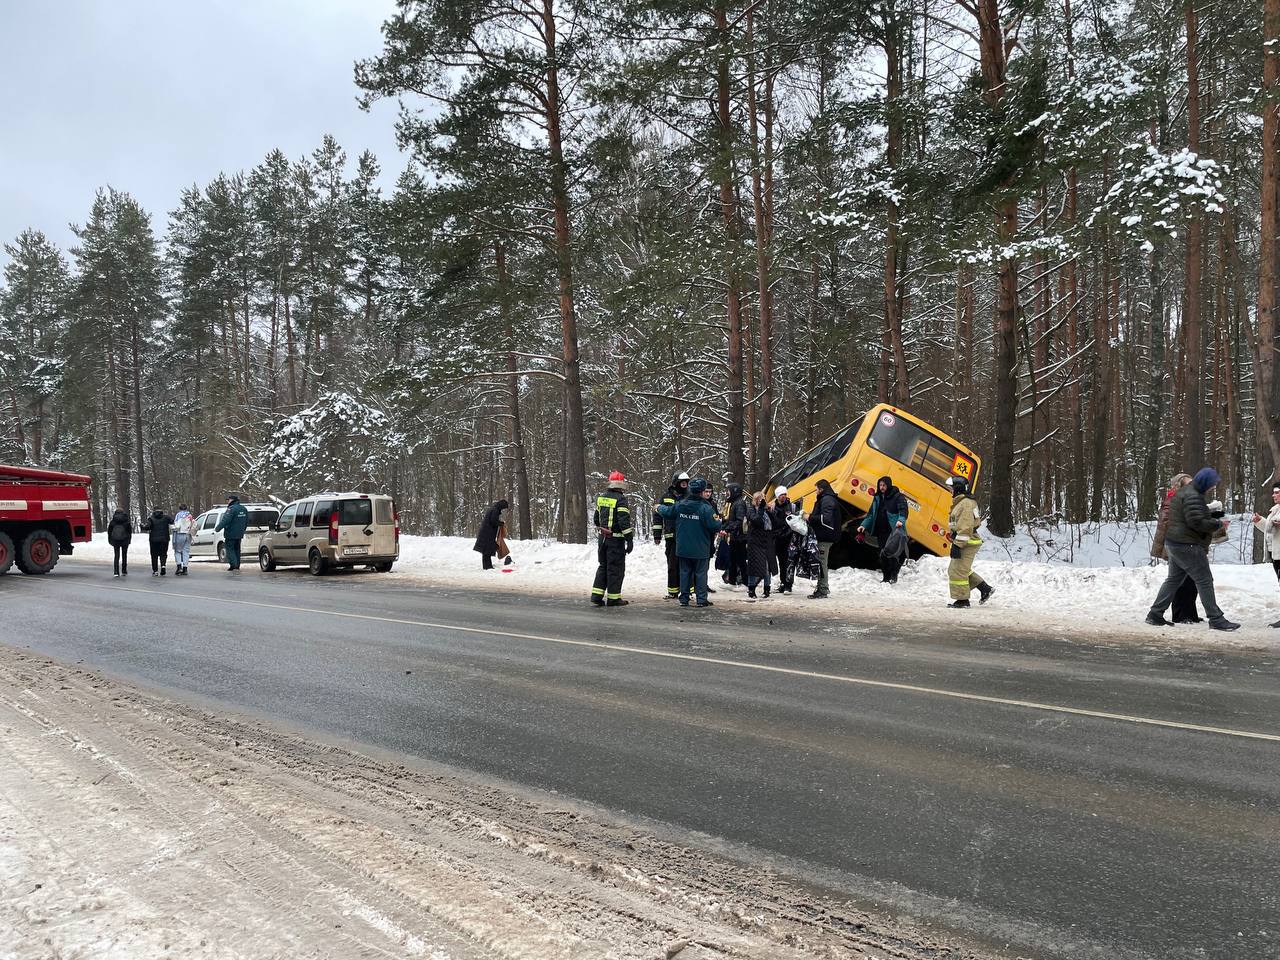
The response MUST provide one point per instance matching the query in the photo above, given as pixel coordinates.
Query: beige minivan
(332, 530)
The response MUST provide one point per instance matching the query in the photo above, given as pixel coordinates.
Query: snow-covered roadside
(1085, 598)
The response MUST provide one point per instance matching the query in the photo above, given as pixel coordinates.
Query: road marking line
(738, 664)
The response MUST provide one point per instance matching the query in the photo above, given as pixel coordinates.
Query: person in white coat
(1269, 526)
(184, 529)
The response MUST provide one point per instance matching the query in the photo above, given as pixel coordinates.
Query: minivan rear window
(382, 508)
(263, 518)
(356, 512)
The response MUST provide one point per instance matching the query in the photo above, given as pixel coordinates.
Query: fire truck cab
(42, 513)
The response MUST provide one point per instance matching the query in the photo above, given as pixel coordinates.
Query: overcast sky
(151, 96)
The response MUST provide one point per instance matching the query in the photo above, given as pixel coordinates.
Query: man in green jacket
(234, 520)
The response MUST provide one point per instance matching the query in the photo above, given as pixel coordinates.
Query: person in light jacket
(1269, 526)
(184, 527)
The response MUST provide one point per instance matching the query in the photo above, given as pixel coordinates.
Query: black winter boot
(1155, 621)
(1222, 623)
(984, 592)
(617, 603)
(959, 605)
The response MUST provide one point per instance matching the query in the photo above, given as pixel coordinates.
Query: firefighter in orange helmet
(614, 538)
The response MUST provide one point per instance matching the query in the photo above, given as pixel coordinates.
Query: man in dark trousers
(735, 522)
(614, 537)
(1187, 539)
(825, 522)
(235, 521)
(696, 527)
(664, 529)
(158, 526)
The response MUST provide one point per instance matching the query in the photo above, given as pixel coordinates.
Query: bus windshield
(912, 446)
(818, 458)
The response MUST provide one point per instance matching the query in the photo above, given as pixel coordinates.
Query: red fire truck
(42, 513)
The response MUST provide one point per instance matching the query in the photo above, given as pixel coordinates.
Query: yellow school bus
(885, 441)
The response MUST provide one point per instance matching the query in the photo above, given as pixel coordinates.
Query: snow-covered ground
(1095, 581)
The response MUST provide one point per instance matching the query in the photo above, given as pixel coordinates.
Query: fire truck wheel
(39, 553)
(6, 553)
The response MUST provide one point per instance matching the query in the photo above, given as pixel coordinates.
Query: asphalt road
(1004, 786)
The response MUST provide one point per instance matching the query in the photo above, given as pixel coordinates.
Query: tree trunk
(729, 213)
(1268, 414)
(1000, 522)
(1193, 355)
(137, 415)
(575, 485)
(762, 203)
(513, 396)
(901, 390)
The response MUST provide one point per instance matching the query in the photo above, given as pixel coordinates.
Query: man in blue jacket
(696, 526)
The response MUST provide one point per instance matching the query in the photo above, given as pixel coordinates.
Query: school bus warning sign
(962, 466)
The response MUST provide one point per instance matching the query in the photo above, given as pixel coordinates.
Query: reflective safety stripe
(673, 590)
(605, 507)
(598, 591)
(624, 533)
(668, 536)
(613, 596)
(961, 583)
(975, 542)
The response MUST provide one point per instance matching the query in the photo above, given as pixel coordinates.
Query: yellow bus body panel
(929, 504)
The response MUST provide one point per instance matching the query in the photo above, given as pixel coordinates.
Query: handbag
(895, 546)
(723, 555)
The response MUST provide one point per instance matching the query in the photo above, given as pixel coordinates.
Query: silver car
(209, 542)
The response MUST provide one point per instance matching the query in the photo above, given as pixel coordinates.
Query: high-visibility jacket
(613, 515)
(664, 527)
(965, 520)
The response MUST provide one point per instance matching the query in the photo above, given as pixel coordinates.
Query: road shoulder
(139, 826)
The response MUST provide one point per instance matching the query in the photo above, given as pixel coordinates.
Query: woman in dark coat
(119, 535)
(760, 540)
(490, 532)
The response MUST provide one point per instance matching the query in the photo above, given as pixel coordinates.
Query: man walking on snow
(664, 529)
(965, 518)
(614, 537)
(1187, 539)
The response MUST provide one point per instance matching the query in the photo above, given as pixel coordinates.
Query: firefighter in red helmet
(614, 537)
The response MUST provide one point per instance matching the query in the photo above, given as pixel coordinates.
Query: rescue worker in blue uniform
(615, 538)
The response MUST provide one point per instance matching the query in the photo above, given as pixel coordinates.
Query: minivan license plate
(355, 551)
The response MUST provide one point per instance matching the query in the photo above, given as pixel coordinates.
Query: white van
(331, 530)
(209, 542)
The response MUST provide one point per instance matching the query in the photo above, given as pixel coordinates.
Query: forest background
(655, 235)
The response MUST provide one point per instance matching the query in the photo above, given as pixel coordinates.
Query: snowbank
(1103, 592)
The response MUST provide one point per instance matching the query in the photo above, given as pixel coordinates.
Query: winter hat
(734, 490)
(1206, 479)
(779, 491)
(232, 498)
(696, 487)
